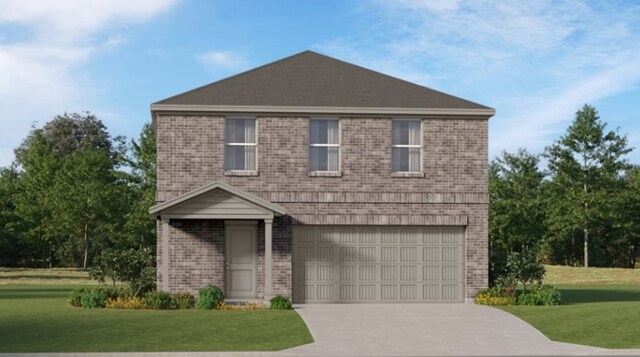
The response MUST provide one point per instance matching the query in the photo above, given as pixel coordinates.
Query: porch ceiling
(217, 200)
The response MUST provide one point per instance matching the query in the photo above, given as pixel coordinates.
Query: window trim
(418, 173)
(253, 172)
(325, 173)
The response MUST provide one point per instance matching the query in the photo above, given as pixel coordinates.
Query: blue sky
(535, 62)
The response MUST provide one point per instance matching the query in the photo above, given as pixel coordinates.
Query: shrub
(209, 297)
(280, 302)
(134, 267)
(548, 295)
(127, 303)
(157, 300)
(96, 297)
(76, 296)
(529, 298)
(525, 268)
(183, 300)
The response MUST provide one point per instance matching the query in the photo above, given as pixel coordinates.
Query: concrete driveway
(423, 330)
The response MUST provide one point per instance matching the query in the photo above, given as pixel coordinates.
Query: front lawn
(55, 276)
(36, 318)
(599, 314)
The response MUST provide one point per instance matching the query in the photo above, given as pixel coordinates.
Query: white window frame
(407, 146)
(338, 145)
(240, 144)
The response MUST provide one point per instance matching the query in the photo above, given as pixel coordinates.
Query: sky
(535, 62)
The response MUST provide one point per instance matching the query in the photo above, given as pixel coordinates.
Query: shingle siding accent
(453, 191)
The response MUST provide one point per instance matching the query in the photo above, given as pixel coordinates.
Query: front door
(242, 258)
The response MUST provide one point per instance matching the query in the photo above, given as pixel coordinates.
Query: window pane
(413, 132)
(405, 159)
(399, 159)
(414, 160)
(240, 157)
(324, 131)
(318, 158)
(399, 132)
(405, 132)
(333, 158)
(333, 131)
(241, 131)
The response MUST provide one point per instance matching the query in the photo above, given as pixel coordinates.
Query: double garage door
(376, 264)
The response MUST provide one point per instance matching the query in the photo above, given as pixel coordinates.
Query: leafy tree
(140, 226)
(87, 193)
(13, 249)
(68, 179)
(629, 217)
(585, 164)
(34, 198)
(516, 210)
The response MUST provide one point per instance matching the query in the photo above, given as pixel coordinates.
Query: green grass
(599, 313)
(36, 318)
(565, 275)
(56, 276)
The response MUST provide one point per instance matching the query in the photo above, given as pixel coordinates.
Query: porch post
(268, 287)
(165, 254)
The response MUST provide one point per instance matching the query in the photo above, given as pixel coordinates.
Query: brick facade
(452, 191)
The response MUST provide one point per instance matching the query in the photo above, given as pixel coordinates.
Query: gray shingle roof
(309, 79)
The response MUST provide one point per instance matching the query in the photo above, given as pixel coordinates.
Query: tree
(629, 217)
(516, 212)
(69, 184)
(140, 226)
(586, 165)
(34, 198)
(87, 193)
(13, 249)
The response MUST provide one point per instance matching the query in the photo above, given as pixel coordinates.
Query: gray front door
(241, 263)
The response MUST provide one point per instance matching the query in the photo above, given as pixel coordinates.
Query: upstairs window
(240, 144)
(406, 145)
(324, 145)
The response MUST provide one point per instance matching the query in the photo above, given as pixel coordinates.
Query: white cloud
(41, 73)
(227, 60)
(537, 62)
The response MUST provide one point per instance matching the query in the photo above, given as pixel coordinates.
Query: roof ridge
(237, 75)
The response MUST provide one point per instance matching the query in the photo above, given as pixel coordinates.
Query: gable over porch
(237, 214)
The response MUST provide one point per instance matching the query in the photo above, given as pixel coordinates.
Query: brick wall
(191, 154)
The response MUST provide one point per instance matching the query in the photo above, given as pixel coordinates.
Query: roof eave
(185, 108)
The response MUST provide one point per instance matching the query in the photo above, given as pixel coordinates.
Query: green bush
(133, 268)
(76, 296)
(157, 300)
(209, 297)
(280, 302)
(529, 299)
(183, 300)
(96, 297)
(548, 295)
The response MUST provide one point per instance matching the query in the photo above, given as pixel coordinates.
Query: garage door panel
(367, 292)
(430, 272)
(378, 264)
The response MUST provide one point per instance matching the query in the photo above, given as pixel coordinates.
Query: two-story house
(318, 179)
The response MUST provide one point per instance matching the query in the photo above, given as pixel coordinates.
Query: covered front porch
(224, 236)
